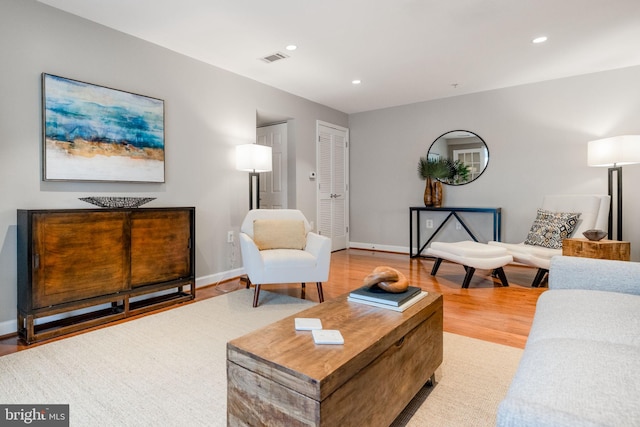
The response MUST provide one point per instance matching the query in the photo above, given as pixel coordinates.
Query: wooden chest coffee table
(278, 376)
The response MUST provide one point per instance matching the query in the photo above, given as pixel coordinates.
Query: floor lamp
(254, 158)
(613, 153)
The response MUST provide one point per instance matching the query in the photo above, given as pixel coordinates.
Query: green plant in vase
(459, 172)
(432, 171)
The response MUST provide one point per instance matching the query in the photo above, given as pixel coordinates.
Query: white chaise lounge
(594, 213)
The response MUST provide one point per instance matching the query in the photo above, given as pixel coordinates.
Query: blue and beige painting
(96, 133)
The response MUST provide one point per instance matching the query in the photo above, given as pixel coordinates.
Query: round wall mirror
(467, 152)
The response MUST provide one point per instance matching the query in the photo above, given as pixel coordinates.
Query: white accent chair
(594, 213)
(271, 266)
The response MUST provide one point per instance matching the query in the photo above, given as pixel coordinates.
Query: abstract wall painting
(95, 133)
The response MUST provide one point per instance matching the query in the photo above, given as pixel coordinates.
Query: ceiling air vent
(274, 57)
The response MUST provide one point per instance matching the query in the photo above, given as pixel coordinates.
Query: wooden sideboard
(78, 268)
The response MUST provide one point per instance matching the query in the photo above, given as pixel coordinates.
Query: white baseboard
(218, 277)
(376, 247)
(10, 327)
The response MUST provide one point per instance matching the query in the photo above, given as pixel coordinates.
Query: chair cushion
(550, 228)
(279, 234)
(534, 256)
(287, 259)
(471, 254)
(469, 249)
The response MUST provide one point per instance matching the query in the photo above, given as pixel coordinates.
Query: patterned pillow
(549, 228)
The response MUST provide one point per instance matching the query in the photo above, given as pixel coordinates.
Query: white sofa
(581, 363)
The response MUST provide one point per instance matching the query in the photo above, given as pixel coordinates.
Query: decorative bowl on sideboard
(117, 202)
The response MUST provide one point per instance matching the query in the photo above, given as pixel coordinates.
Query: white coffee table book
(307, 323)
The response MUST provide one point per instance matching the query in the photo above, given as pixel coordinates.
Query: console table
(414, 214)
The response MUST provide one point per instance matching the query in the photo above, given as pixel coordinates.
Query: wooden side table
(601, 249)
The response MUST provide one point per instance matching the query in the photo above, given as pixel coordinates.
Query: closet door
(273, 185)
(333, 187)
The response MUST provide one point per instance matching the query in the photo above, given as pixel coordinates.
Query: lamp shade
(253, 158)
(617, 150)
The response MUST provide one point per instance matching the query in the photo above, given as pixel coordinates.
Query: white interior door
(474, 158)
(273, 185)
(333, 187)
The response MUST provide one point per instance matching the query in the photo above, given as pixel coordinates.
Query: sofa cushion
(279, 234)
(599, 316)
(568, 382)
(550, 228)
(568, 272)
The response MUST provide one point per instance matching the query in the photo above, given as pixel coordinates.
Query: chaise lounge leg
(320, 293)
(468, 276)
(256, 295)
(304, 287)
(503, 277)
(436, 266)
(539, 277)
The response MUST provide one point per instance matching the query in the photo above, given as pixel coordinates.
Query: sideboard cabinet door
(160, 246)
(78, 256)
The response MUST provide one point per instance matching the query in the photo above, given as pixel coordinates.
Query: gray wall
(208, 111)
(537, 137)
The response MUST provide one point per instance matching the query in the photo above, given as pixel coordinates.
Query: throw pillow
(549, 228)
(279, 234)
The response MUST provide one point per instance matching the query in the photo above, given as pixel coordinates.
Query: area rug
(169, 369)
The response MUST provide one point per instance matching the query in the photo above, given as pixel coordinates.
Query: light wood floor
(485, 311)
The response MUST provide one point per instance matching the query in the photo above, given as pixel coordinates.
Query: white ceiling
(404, 51)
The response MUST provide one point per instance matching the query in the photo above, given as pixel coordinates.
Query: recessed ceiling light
(292, 47)
(356, 82)
(541, 39)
